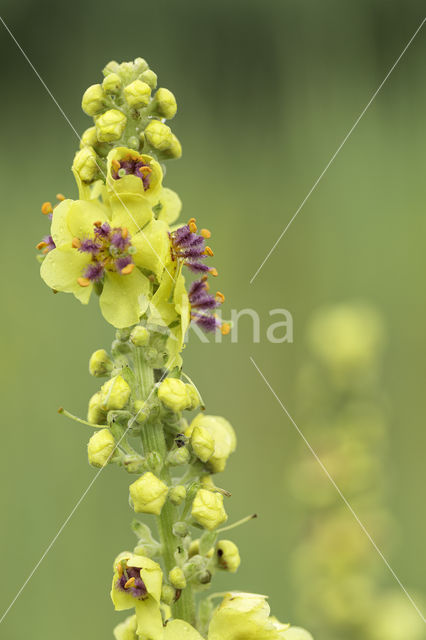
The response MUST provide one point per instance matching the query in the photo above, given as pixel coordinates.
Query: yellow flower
(129, 172)
(148, 494)
(208, 510)
(180, 630)
(224, 437)
(243, 615)
(100, 448)
(126, 630)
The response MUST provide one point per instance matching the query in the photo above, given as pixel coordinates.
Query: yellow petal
(130, 210)
(171, 206)
(81, 216)
(124, 298)
(150, 621)
(59, 230)
(61, 268)
(152, 247)
(180, 630)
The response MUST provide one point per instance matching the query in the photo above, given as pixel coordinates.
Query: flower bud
(148, 494)
(177, 578)
(296, 633)
(173, 394)
(202, 443)
(168, 594)
(139, 336)
(165, 103)
(140, 65)
(100, 364)
(95, 413)
(174, 150)
(93, 101)
(223, 435)
(111, 67)
(150, 78)
(115, 394)
(142, 411)
(208, 510)
(100, 448)
(205, 577)
(137, 94)
(159, 135)
(126, 630)
(85, 164)
(228, 557)
(112, 83)
(89, 138)
(177, 495)
(194, 397)
(180, 529)
(178, 457)
(110, 125)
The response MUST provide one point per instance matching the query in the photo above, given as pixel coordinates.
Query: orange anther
(225, 329)
(128, 269)
(130, 582)
(208, 252)
(46, 208)
(60, 197)
(98, 223)
(214, 272)
(76, 243)
(83, 282)
(119, 570)
(124, 232)
(206, 233)
(220, 297)
(41, 245)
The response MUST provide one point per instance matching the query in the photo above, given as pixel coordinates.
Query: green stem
(153, 440)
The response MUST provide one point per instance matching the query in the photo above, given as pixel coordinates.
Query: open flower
(137, 584)
(129, 172)
(107, 244)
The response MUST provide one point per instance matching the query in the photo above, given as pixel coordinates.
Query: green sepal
(207, 541)
(146, 545)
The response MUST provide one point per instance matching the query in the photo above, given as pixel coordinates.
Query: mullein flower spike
(120, 240)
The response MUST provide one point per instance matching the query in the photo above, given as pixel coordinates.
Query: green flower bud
(194, 397)
(89, 138)
(85, 164)
(112, 83)
(224, 438)
(100, 448)
(139, 336)
(175, 149)
(165, 103)
(178, 457)
(111, 67)
(127, 630)
(208, 510)
(173, 394)
(202, 443)
(148, 494)
(140, 65)
(159, 135)
(168, 594)
(205, 577)
(177, 495)
(228, 557)
(115, 393)
(150, 78)
(142, 410)
(180, 529)
(177, 578)
(137, 94)
(93, 101)
(123, 334)
(100, 364)
(95, 412)
(296, 633)
(110, 125)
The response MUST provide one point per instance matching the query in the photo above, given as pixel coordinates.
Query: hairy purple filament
(109, 250)
(133, 166)
(201, 302)
(189, 247)
(137, 589)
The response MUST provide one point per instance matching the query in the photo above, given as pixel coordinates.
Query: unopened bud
(148, 494)
(296, 633)
(115, 393)
(89, 138)
(93, 101)
(227, 555)
(111, 67)
(174, 150)
(100, 448)
(110, 125)
(208, 510)
(173, 394)
(177, 578)
(165, 103)
(180, 529)
(137, 94)
(168, 594)
(100, 364)
(202, 443)
(140, 65)
(112, 83)
(95, 413)
(205, 577)
(194, 397)
(85, 164)
(178, 457)
(159, 135)
(150, 78)
(177, 495)
(142, 411)
(139, 336)
(223, 435)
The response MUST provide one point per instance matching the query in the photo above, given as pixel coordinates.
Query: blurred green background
(266, 93)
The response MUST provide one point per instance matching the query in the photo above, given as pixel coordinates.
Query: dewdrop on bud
(168, 595)
(148, 494)
(89, 138)
(100, 448)
(110, 125)
(100, 364)
(208, 510)
(227, 555)
(95, 413)
(202, 443)
(93, 101)
(177, 578)
(177, 495)
(114, 394)
(85, 164)
(165, 103)
(159, 135)
(150, 78)
(126, 630)
(137, 94)
(139, 336)
(111, 84)
(173, 394)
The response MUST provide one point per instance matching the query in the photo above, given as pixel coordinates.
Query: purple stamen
(200, 298)
(90, 246)
(94, 271)
(134, 167)
(103, 230)
(118, 241)
(138, 589)
(49, 243)
(123, 261)
(208, 323)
